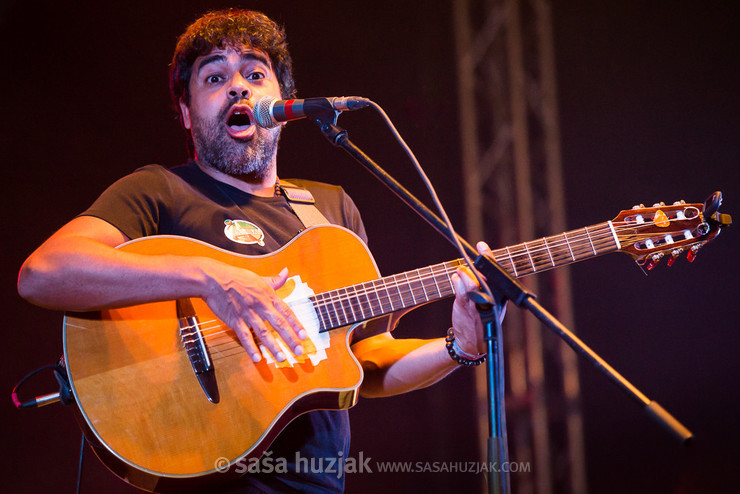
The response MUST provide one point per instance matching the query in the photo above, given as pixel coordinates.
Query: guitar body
(140, 401)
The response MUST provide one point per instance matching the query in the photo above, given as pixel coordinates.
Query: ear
(185, 112)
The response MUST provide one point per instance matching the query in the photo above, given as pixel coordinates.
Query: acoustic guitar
(168, 397)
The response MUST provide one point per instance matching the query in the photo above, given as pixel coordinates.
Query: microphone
(270, 112)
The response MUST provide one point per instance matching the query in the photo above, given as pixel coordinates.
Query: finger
(458, 285)
(265, 337)
(288, 319)
(483, 248)
(285, 318)
(462, 300)
(278, 314)
(278, 280)
(466, 279)
(288, 327)
(274, 310)
(247, 341)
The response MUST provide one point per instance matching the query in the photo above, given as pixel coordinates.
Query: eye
(255, 76)
(214, 79)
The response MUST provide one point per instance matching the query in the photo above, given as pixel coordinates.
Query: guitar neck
(357, 303)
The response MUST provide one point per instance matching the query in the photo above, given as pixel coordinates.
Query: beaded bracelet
(452, 346)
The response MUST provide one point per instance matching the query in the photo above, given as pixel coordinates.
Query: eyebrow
(246, 57)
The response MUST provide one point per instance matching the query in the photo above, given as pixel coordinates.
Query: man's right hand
(245, 301)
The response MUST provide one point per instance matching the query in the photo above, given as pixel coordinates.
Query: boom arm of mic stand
(507, 285)
(338, 137)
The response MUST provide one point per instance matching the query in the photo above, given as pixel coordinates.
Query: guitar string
(330, 299)
(596, 239)
(236, 349)
(340, 298)
(337, 297)
(347, 296)
(513, 251)
(324, 303)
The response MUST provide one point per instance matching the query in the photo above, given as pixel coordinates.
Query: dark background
(649, 104)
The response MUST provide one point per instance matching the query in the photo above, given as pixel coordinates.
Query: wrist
(458, 354)
(196, 276)
(463, 353)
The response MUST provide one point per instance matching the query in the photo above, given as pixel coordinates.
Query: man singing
(223, 63)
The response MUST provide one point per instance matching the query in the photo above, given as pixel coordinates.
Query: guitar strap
(303, 204)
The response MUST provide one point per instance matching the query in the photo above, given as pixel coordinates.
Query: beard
(250, 160)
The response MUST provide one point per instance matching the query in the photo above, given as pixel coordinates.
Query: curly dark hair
(230, 28)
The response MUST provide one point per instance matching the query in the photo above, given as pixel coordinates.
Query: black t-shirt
(184, 200)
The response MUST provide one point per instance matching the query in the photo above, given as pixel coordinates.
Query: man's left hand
(465, 318)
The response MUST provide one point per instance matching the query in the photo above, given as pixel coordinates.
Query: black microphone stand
(503, 287)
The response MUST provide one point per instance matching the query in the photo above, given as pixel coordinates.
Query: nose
(239, 87)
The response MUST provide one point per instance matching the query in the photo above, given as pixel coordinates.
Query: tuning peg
(678, 203)
(691, 255)
(658, 204)
(674, 255)
(654, 261)
(638, 206)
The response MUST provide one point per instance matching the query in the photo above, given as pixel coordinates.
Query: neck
(263, 186)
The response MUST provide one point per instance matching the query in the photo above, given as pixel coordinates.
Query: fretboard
(364, 301)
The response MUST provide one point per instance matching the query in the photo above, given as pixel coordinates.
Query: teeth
(239, 119)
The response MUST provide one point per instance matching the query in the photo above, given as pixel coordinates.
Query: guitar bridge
(197, 350)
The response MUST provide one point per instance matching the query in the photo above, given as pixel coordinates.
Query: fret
(419, 288)
(411, 289)
(399, 288)
(617, 245)
(511, 260)
(561, 250)
(403, 290)
(371, 290)
(588, 235)
(364, 301)
(449, 279)
(421, 284)
(606, 231)
(330, 312)
(427, 281)
(522, 262)
(529, 255)
(441, 277)
(532, 254)
(341, 316)
(384, 299)
(351, 303)
(357, 296)
(388, 289)
(387, 294)
(322, 320)
(565, 236)
(436, 285)
(549, 254)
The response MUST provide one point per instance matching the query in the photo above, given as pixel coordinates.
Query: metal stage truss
(510, 146)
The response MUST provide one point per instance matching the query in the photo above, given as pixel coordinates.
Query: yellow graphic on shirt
(244, 232)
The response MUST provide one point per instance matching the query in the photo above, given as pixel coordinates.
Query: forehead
(232, 55)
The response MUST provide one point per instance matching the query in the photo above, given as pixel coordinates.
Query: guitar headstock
(649, 234)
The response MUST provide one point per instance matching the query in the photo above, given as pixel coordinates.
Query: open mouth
(239, 122)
